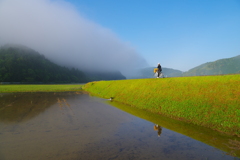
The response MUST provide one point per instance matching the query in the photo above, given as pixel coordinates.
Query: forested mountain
(22, 64)
(222, 66)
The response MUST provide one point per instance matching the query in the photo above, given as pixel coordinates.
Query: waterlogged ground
(75, 126)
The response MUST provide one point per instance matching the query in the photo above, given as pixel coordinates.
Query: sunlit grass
(40, 88)
(210, 101)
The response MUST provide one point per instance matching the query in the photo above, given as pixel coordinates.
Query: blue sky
(180, 34)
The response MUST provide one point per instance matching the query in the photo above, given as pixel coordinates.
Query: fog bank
(56, 29)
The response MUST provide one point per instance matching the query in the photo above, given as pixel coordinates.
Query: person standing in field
(159, 69)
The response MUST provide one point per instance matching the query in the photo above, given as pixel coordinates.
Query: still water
(75, 126)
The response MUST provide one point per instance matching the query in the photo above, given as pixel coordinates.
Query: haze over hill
(56, 30)
(148, 73)
(218, 67)
(64, 33)
(24, 65)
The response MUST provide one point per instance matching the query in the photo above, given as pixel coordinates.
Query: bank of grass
(209, 101)
(203, 134)
(40, 88)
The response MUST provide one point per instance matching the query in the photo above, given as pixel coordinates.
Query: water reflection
(158, 128)
(21, 107)
(227, 143)
(53, 126)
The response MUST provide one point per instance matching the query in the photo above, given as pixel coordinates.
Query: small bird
(111, 98)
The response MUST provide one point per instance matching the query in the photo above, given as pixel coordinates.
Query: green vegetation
(209, 101)
(203, 134)
(22, 64)
(222, 66)
(219, 67)
(40, 88)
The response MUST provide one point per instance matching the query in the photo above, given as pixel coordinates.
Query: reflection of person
(159, 69)
(158, 128)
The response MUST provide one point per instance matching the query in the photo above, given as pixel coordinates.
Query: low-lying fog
(57, 30)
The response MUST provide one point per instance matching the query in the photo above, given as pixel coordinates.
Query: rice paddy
(40, 88)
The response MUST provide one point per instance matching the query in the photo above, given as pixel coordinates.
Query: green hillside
(219, 67)
(222, 66)
(209, 101)
(22, 64)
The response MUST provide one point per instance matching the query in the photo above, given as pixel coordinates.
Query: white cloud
(57, 30)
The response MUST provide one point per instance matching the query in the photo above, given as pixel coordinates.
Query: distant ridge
(218, 67)
(222, 66)
(148, 73)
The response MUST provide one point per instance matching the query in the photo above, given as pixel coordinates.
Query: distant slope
(148, 73)
(22, 64)
(222, 66)
(104, 75)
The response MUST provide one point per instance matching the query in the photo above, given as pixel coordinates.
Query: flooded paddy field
(75, 126)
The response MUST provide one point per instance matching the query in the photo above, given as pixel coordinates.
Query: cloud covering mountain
(56, 29)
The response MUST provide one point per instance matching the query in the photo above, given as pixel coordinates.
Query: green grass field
(40, 88)
(209, 101)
